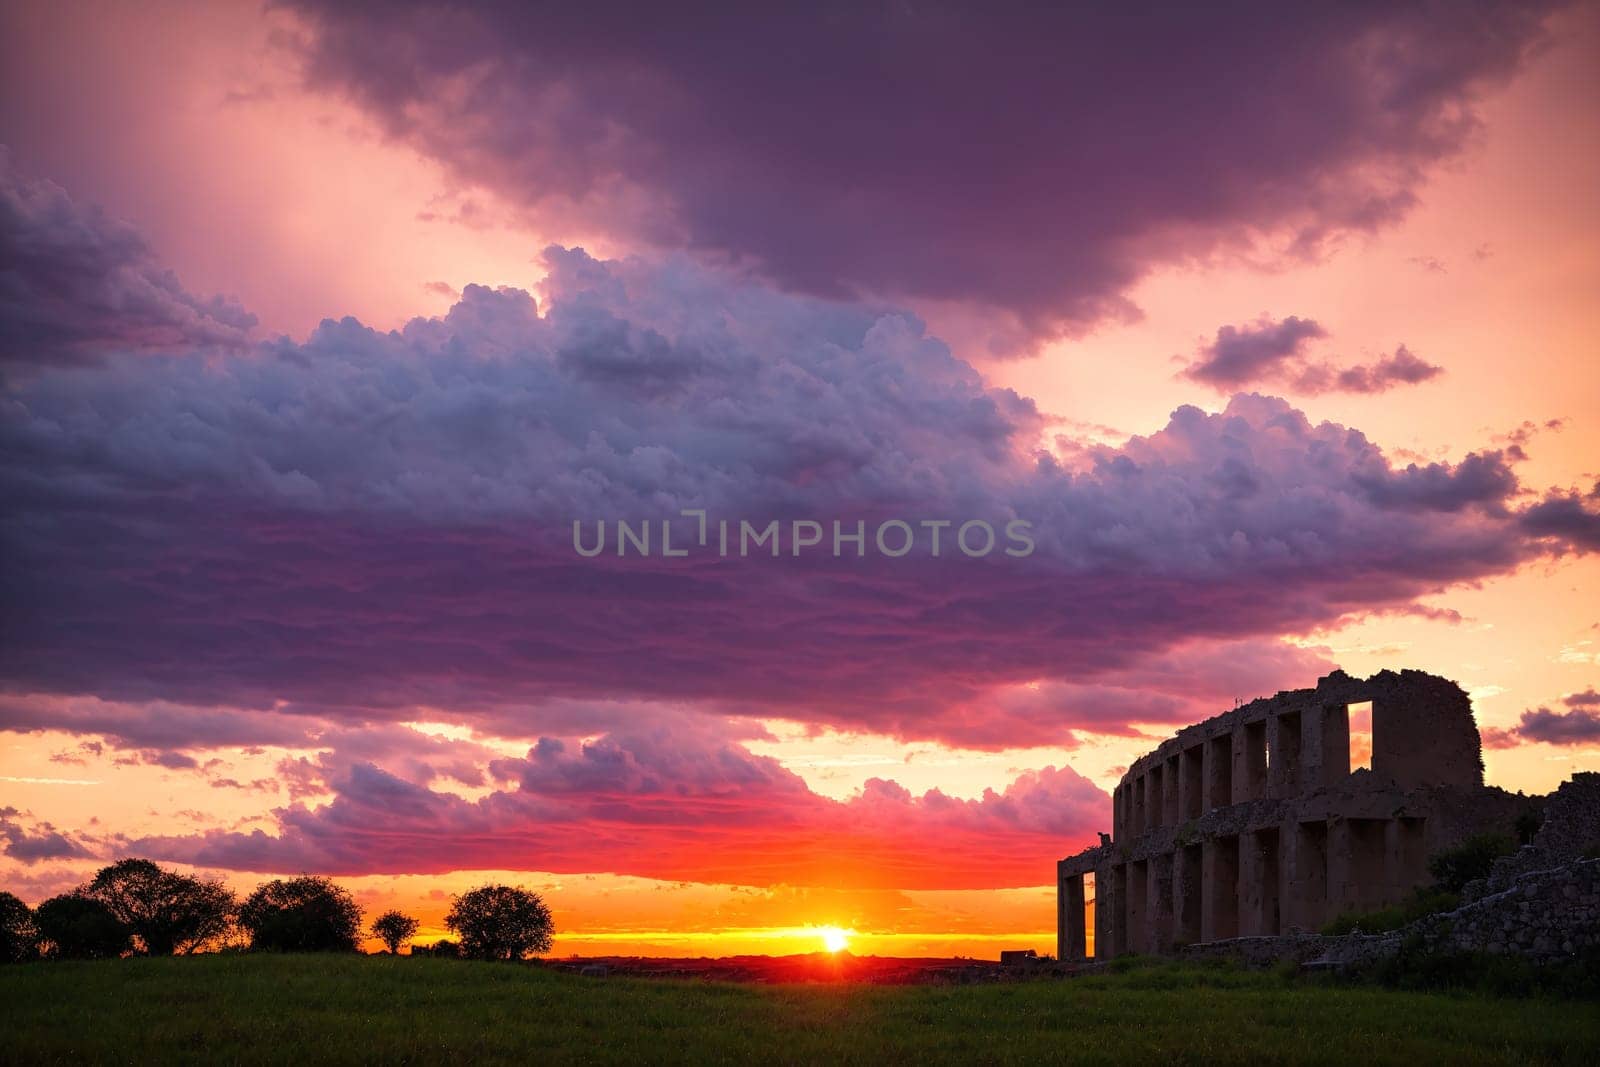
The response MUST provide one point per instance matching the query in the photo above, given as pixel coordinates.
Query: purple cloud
(44, 842)
(1274, 352)
(1581, 726)
(1402, 368)
(75, 285)
(1564, 518)
(1031, 162)
(1243, 355)
(344, 529)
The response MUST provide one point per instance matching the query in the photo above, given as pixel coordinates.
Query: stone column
(1333, 754)
(1311, 727)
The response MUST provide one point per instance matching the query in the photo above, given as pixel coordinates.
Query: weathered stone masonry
(1252, 823)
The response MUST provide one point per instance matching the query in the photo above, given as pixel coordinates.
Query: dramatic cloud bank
(365, 523)
(1031, 161)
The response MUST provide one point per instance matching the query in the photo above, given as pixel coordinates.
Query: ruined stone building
(1253, 823)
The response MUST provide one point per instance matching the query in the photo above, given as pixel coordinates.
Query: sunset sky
(320, 324)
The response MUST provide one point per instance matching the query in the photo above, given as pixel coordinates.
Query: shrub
(1422, 902)
(500, 922)
(74, 927)
(1489, 974)
(1474, 858)
(305, 914)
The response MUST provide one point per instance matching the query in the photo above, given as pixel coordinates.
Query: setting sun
(835, 939)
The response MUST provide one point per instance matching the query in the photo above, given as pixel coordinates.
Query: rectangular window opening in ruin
(1286, 759)
(1171, 797)
(1268, 920)
(1411, 857)
(1255, 760)
(1219, 784)
(1135, 903)
(1192, 778)
(1365, 885)
(1088, 916)
(1157, 788)
(1309, 879)
(1223, 884)
(1361, 736)
(1187, 889)
(1119, 910)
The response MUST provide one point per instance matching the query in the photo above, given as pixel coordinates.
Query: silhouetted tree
(394, 929)
(19, 937)
(305, 914)
(75, 927)
(443, 947)
(500, 922)
(168, 912)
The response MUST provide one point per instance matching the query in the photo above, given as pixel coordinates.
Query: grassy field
(276, 1009)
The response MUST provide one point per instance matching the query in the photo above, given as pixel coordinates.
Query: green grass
(280, 1009)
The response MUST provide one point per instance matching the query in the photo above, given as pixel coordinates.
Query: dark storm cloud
(1031, 159)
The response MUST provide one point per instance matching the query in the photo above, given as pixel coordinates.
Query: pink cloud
(676, 800)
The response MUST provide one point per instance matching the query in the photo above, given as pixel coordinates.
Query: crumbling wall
(1571, 828)
(1545, 916)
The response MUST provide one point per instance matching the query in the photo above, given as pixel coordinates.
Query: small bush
(1422, 903)
(1474, 858)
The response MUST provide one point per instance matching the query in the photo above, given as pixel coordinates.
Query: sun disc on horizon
(834, 939)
